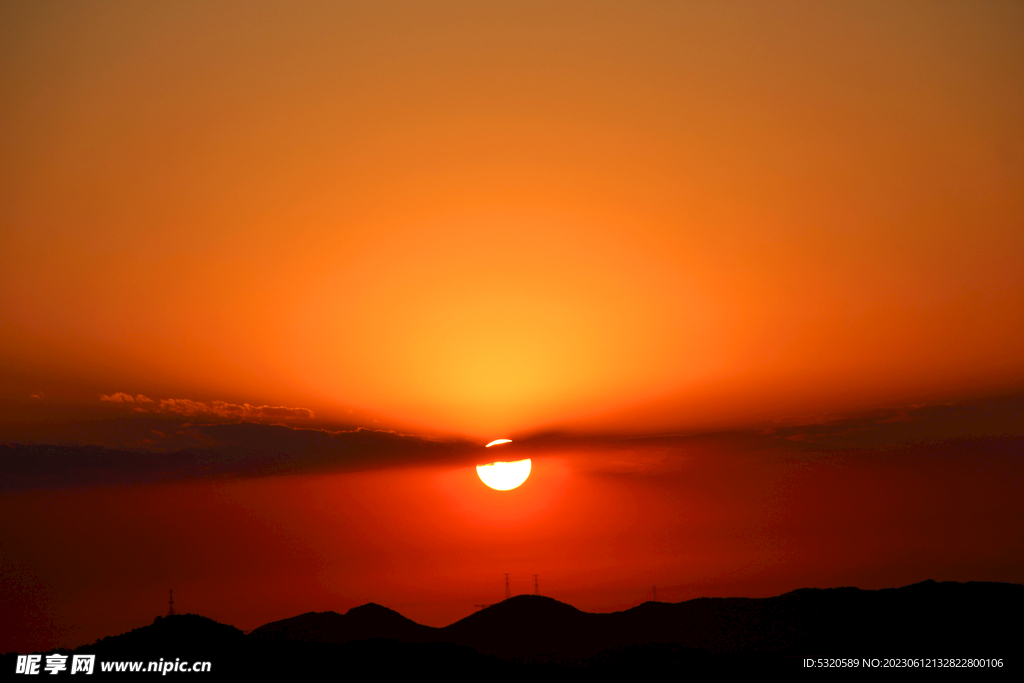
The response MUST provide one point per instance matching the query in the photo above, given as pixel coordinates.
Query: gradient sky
(467, 220)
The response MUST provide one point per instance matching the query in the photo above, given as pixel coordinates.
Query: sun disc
(504, 476)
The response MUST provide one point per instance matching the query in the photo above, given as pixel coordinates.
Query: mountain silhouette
(528, 625)
(822, 622)
(537, 636)
(190, 635)
(359, 623)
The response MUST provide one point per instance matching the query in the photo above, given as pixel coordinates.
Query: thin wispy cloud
(121, 397)
(214, 410)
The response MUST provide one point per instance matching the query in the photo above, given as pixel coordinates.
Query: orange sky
(481, 220)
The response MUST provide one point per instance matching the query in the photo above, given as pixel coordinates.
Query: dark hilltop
(540, 635)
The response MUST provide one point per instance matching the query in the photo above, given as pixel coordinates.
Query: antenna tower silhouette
(170, 602)
(536, 586)
(654, 589)
(508, 591)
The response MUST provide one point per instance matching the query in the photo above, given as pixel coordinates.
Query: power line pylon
(170, 602)
(508, 591)
(536, 585)
(654, 589)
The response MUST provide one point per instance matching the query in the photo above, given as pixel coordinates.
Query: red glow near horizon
(431, 542)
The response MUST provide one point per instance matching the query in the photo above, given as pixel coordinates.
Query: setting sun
(504, 476)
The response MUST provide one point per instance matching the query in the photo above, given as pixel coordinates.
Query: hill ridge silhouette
(914, 616)
(926, 619)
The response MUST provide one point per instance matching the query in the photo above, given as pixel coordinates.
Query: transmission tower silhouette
(508, 591)
(536, 585)
(654, 590)
(170, 602)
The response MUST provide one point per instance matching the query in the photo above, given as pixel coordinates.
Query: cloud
(183, 406)
(229, 451)
(121, 397)
(261, 413)
(233, 411)
(221, 439)
(996, 416)
(214, 410)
